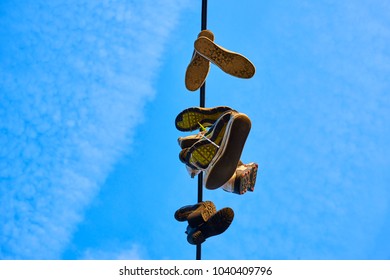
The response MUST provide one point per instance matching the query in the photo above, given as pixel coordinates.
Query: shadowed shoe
(224, 164)
(198, 67)
(196, 214)
(191, 118)
(215, 225)
(230, 62)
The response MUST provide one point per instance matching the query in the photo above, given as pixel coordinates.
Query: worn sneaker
(224, 162)
(188, 141)
(192, 170)
(230, 62)
(196, 214)
(243, 180)
(194, 117)
(254, 167)
(215, 225)
(198, 67)
(200, 154)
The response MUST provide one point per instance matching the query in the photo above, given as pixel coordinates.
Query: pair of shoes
(204, 221)
(207, 51)
(217, 151)
(243, 180)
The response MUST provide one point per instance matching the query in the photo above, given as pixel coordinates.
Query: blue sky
(89, 91)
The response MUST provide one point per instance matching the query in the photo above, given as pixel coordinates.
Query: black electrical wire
(202, 103)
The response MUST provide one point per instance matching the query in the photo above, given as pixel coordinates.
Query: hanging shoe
(196, 214)
(192, 170)
(200, 154)
(230, 62)
(253, 175)
(192, 118)
(198, 67)
(215, 225)
(220, 154)
(188, 141)
(243, 180)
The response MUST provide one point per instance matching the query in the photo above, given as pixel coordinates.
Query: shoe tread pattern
(230, 62)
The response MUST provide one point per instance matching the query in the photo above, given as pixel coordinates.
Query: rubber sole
(225, 162)
(199, 67)
(245, 178)
(253, 175)
(217, 224)
(190, 118)
(242, 181)
(230, 62)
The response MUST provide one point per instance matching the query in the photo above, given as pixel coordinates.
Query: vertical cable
(202, 103)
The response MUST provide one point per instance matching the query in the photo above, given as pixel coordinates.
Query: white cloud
(75, 78)
(116, 252)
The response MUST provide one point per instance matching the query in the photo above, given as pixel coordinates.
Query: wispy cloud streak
(74, 78)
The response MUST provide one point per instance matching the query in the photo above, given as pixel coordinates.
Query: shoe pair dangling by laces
(217, 151)
(204, 220)
(206, 51)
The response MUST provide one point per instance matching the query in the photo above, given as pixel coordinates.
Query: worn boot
(215, 225)
(196, 214)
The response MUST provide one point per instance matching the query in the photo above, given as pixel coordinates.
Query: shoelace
(204, 137)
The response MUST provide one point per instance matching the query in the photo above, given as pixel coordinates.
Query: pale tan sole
(199, 67)
(230, 62)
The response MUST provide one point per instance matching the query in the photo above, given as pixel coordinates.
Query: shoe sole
(199, 67)
(253, 175)
(243, 181)
(246, 179)
(217, 224)
(230, 62)
(225, 162)
(189, 119)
